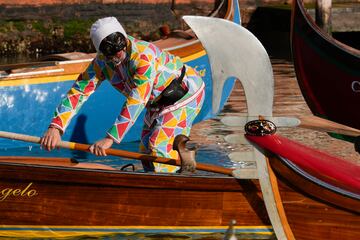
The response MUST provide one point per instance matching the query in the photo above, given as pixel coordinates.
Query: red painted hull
(320, 194)
(328, 71)
(332, 173)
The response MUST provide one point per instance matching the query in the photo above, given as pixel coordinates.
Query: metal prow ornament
(235, 52)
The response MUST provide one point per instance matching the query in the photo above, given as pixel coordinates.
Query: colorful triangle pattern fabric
(141, 77)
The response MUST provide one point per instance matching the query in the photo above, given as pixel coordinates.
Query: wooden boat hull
(63, 200)
(320, 216)
(316, 202)
(47, 197)
(30, 95)
(328, 71)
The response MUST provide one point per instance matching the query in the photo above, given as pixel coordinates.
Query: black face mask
(112, 44)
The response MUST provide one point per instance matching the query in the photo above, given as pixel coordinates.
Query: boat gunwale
(298, 5)
(342, 70)
(316, 180)
(117, 178)
(289, 176)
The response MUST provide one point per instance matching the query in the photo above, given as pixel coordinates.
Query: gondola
(316, 195)
(308, 194)
(328, 71)
(293, 192)
(57, 197)
(319, 193)
(31, 91)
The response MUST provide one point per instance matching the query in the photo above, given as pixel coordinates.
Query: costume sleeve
(83, 87)
(136, 101)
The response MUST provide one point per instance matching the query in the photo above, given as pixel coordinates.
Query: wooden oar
(119, 153)
(324, 125)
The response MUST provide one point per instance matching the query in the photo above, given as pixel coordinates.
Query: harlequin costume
(142, 77)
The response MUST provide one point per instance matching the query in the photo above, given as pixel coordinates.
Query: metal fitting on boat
(260, 128)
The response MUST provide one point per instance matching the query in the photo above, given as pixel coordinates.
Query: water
(17, 58)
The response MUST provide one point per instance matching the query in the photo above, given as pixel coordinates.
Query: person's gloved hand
(357, 144)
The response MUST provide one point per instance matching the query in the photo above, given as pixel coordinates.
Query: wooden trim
(275, 188)
(269, 195)
(312, 189)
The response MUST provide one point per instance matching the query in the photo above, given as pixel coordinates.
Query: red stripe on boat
(333, 170)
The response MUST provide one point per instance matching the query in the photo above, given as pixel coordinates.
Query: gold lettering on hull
(17, 192)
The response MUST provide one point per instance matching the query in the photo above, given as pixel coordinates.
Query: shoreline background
(64, 25)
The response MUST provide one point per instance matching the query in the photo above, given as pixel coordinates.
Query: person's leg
(144, 147)
(169, 125)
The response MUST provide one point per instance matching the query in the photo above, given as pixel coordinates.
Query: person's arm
(84, 86)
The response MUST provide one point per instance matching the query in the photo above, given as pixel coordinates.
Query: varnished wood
(41, 72)
(321, 124)
(140, 199)
(314, 212)
(279, 206)
(171, 200)
(62, 162)
(108, 198)
(315, 190)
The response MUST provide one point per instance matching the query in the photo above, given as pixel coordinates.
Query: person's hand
(99, 148)
(50, 138)
(357, 144)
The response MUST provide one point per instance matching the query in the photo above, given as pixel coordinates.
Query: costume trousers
(158, 135)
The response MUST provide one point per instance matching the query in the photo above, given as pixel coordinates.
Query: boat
(54, 197)
(316, 195)
(308, 194)
(31, 91)
(328, 71)
(292, 192)
(319, 194)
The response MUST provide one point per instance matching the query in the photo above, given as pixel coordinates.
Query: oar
(119, 153)
(324, 125)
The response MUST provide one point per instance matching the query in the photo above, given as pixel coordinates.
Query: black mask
(112, 44)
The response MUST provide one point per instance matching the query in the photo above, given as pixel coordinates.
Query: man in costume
(172, 93)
